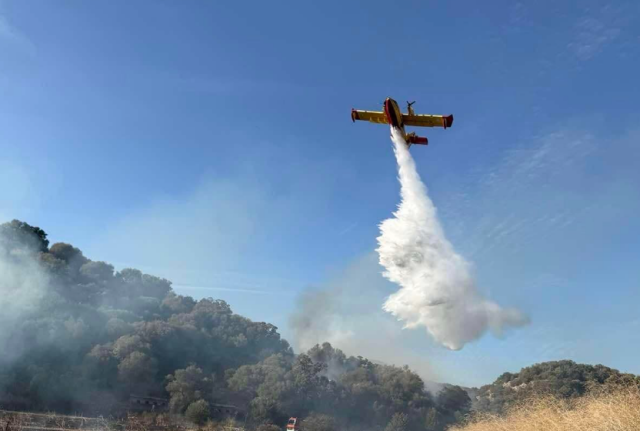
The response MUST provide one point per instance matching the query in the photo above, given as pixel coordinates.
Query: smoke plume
(345, 311)
(21, 294)
(437, 290)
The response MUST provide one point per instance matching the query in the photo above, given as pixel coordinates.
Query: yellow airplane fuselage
(394, 118)
(393, 113)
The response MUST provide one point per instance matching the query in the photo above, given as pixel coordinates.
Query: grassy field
(27, 421)
(145, 421)
(619, 411)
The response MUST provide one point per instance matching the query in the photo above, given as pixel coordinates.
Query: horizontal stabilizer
(419, 140)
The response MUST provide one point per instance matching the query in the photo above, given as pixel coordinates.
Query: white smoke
(437, 290)
(22, 290)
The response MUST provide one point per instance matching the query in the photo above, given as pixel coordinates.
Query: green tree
(452, 399)
(127, 344)
(177, 304)
(17, 234)
(305, 375)
(431, 419)
(398, 422)
(137, 369)
(69, 254)
(117, 328)
(185, 387)
(198, 412)
(98, 272)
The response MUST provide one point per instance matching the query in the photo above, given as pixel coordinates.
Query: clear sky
(211, 143)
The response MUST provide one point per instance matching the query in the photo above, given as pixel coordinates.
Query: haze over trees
(78, 336)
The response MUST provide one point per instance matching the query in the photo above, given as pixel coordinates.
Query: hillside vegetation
(78, 336)
(613, 411)
(562, 379)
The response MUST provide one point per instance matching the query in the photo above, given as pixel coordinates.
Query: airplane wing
(372, 116)
(420, 120)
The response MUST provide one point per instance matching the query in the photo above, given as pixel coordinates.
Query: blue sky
(211, 143)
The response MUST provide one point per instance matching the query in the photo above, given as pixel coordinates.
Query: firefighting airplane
(394, 117)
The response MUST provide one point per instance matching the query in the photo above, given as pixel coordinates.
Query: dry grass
(29, 421)
(613, 411)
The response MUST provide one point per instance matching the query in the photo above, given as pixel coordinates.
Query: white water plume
(437, 290)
